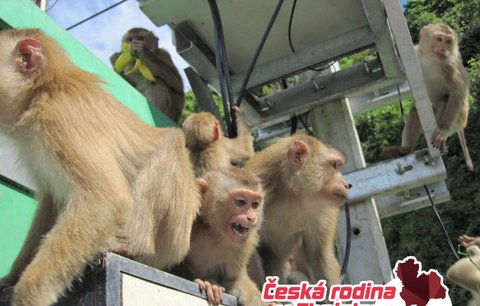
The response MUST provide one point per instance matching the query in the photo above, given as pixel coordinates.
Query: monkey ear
(297, 153)
(202, 186)
(217, 132)
(31, 55)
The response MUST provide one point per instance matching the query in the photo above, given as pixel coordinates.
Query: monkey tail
(466, 154)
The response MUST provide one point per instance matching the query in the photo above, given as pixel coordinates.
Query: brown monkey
(466, 271)
(166, 91)
(209, 149)
(225, 235)
(304, 190)
(448, 88)
(96, 166)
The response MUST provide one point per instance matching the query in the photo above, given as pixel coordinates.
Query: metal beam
(395, 175)
(319, 90)
(416, 198)
(322, 52)
(202, 93)
(377, 19)
(378, 98)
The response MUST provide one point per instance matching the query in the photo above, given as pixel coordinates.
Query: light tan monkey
(448, 88)
(466, 271)
(225, 235)
(209, 149)
(166, 91)
(304, 190)
(105, 179)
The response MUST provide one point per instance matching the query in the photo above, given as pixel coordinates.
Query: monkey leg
(84, 228)
(412, 130)
(43, 221)
(246, 290)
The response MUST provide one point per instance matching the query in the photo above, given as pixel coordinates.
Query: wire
(51, 6)
(257, 52)
(441, 223)
(223, 72)
(305, 125)
(349, 241)
(95, 15)
(402, 112)
(290, 21)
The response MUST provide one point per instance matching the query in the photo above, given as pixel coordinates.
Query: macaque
(466, 271)
(209, 149)
(304, 190)
(165, 91)
(105, 179)
(225, 235)
(448, 87)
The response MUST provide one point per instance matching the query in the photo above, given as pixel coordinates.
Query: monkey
(165, 91)
(96, 166)
(225, 235)
(304, 190)
(448, 88)
(466, 271)
(209, 149)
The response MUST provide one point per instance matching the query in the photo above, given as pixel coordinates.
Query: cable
(51, 6)
(95, 15)
(222, 67)
(290, 21)
(402, 112)
(441, 223)
(257, 52)
(349, 242)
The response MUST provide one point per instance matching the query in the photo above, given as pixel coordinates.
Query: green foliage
(191, 105)
(418, 233)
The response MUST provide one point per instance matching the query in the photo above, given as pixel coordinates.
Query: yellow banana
(126, 58)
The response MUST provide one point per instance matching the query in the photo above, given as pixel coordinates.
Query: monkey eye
(255, 204)
(448, 41)
(439, 39)
(240, 201)
(129, 39)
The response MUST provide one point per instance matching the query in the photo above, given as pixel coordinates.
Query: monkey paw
(238, 111)
(439, 140)
(214, 292)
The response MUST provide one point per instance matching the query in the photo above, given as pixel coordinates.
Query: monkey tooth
(240, 230)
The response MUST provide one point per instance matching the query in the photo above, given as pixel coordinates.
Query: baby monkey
(209, 150)
(225, 235)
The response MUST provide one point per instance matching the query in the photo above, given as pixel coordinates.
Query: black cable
(219, 62)
(441, 223)
(290, 21)
(257, 52)
(349, 241)
(95, 15)
(305, 125)
(51, 6)
(402, 112)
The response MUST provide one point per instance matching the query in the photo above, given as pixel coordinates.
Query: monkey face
(441, 45)
(244, 214)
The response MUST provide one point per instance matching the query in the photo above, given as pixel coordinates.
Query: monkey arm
(246, 290)
(465, 274)
(241, 147)
(162, 67)
(318, 245)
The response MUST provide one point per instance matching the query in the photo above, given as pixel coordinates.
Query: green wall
(16, 208)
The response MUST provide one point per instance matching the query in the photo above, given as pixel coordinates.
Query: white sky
(103, 34)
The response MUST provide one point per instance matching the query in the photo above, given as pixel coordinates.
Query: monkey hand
(238, 111)
(439, 140)
(214, 292)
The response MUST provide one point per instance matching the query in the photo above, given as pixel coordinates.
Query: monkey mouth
(341, 196)
(240, 230)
